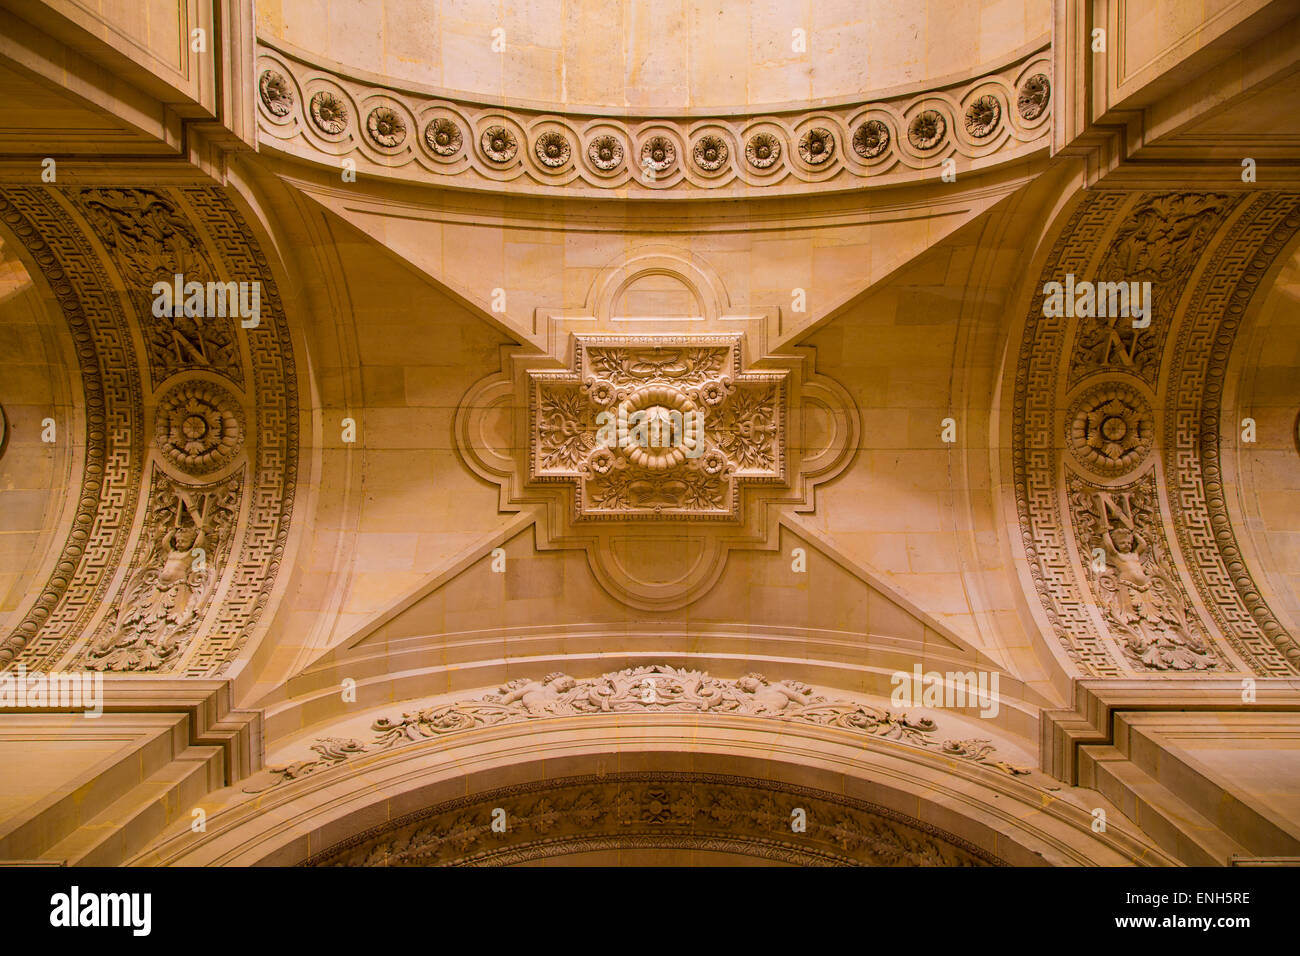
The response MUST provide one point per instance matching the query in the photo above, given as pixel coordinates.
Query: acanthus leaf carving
(654, 810)
(654, 688)
(186, 539)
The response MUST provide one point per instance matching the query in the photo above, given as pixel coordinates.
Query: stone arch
(937, 805)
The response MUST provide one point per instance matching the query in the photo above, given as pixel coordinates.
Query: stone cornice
(328, 114)
(213, 721)
(1091, 721)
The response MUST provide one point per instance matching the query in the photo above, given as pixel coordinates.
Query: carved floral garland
(655, 688)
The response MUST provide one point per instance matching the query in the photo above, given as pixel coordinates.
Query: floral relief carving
(727, 151)
(983, 115)
(871, 139)
(499, 144)
(1035, 93)
(277, 95)
(927, 129)
(682, 427)
(711, 152)
(158, 611)
(605, 152)
(658, 153)
(443, 137)
(199, 427)
(552, 149)
(1134, 580)
(385, 126)
(656, 688)
(150, 237)
(817, 146)
(152, 240)
(762, 150)
(1111, 429)
(660, 810)
(1158, 242)
(655, 810)
(329, 112)
(172, 548)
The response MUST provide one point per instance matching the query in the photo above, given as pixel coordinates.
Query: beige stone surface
(384, 560)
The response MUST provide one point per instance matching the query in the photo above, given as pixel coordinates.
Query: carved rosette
(329, 112)
(871, 139)
(605, 152)
(1110, 429)
(762, 150)
(552, 149)
(817, 146)
(711, 153)
(983, 116)
(443, 137)
(1035, 93)
(658, 153)
(386, 127)
(927, 129)
(276, 94)
(499, 144)
(199, 427)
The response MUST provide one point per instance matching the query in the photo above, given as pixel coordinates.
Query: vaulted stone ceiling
(398, 523)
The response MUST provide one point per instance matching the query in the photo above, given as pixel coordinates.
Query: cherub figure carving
(538, 697)
(772, 698)
(1144, 601)
(165, 599)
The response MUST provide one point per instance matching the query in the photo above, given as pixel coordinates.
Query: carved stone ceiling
(191, 451)
(1119, 434)
(648, 439)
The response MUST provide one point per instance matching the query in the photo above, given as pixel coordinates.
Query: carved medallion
(1110, 429)
(983, 115)
(871, 139)
(385, 126)
(552, 149)
(199, 427)
(329, 112)
(277, 95)
(657, 427)
(443, 137)
(762, 150)
(658, 153)
(816, 146)
(656, 454)
(499, 144)
(711, 152)
(1035, 93)
(927, 129)
(605, 152)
